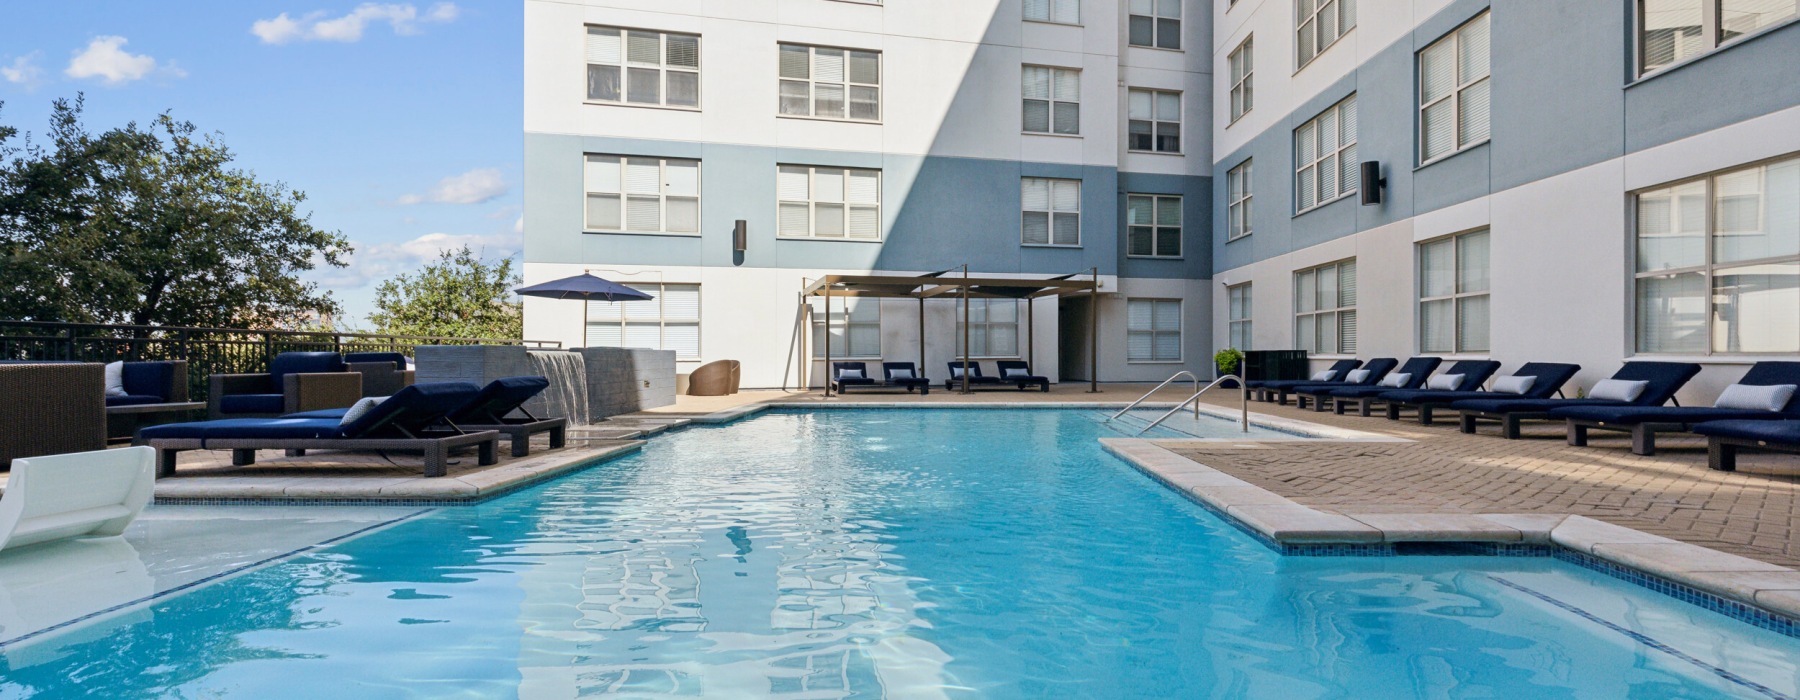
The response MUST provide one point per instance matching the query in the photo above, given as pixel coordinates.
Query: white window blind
(993, 328)
(1237, 203)
(1242, 66)
(1453, 91)
(1325, 153)
(1052, 100)
(855, 328)
(1059, 11)
(1154, 121)
(1052, 211)
(1155, 23)
(822, 202)
(1671, 31)
(1319, 23)
(1238, 316)
(1153, 330)
(635, 66)
(1325, 309)
(829, 83)
(1153, 226)
(669, 321)
(642, 195)
(1453, 294)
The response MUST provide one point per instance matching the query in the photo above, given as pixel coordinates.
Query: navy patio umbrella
(585, 287)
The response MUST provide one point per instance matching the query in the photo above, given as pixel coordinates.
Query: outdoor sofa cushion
(252, 403)
(156, 379)
(299, 363)
(132, 400)
(399, 359)
(245, 428)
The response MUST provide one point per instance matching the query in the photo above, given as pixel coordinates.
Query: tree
(152, 227)
(456, 296)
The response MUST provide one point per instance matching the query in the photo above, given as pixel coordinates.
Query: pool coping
(1730, 584)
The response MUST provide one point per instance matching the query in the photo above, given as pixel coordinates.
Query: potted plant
(1228, 361)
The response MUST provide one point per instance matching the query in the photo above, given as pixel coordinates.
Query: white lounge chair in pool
(86, 494)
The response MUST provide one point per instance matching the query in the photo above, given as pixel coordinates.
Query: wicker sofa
(295, 382)
(51, 408)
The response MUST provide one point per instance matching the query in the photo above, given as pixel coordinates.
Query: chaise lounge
(1765, 393)
(1532, 380)
(1019, 372)
(400, 424)
(490, 410)
(976, 378)
(1264, 388)
(1411, 376)
(1725, 437)
(906, 376)
(848, 374)
(1370, 374)
(1659, 382)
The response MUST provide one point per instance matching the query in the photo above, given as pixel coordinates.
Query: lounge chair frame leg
(1721, 456)
(295, 452)
(1338, 407)
(1466, 423)
(1509, 427)
(1393, 411)
(242, 457)
(1577, 435)
(436, 457)
(488, 453)
(165, 462)
(521, 445)
(1364, 407)
(1643, 440)
(1424, 413)
(558, 437)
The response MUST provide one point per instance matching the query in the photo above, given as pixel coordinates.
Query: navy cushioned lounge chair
(909, 378)
(1644, 422)
(976, 378)
(401, 423)
(1549, 378)
(1418, 369)
(1019, 372)
(1266, 388)
(491, 409)
(1377, 368)
(841, 383)
(1725, 437)
(1665, 378)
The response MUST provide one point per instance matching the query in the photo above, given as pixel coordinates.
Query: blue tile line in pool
(1643, 639)
(208, 579)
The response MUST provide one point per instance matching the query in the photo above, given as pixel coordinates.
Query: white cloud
(404, 18)
(105, 58)
(380, 261)
(473, 187)
(519, 224)
(23, 70)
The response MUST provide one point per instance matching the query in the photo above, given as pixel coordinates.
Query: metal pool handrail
(1243, 421)
(1159, 387)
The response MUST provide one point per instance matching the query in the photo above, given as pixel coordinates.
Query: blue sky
(400, 120)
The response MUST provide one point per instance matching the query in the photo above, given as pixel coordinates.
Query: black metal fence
(208, 351)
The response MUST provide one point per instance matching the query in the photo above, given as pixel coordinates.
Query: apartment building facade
(1558, 180)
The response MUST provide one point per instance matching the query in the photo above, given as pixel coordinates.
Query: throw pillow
(1513, 385)
(115, 379)
(956, 371)
(1445, 382)
(1357, 376)
(1012, 372)
(850, 374)
(900, 373)
(1617, 390)
(360, 408)
(1324, 376)
(1773, 397)
(1395, 380)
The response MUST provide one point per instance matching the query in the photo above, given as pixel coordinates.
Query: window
(853, 334)
(1155, 121)
(828, 202)
(1237, 203)
(1325, 149)
(1052, 100)
(1156, 23)
(670, 321)
(993, 328)
(633, 66)
(1319, 24)
(830, 83)
(1325, 309)
(1671, 31)
(1153, 226)
(1718, 263)
(1052, 211)
(642, 195)
(1237, 316)
(1453, 91)
(1058, 11)
(1242, 64)
(1453, 294)
(1153, 330)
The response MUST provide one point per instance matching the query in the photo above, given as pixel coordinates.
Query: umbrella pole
(584, 319)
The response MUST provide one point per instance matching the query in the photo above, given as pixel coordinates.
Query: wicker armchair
(51, 408)
(714, 379)
(384, 373)
(295, 382)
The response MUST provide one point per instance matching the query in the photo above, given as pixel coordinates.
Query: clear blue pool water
(889, 553)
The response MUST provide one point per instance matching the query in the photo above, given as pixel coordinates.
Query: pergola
(941, 285)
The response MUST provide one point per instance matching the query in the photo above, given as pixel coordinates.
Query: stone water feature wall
(625, 380)
(616, 380)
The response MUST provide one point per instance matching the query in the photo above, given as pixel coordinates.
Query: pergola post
(828, 375)
(1094, 334)
(965, 330)
(1030, 332)
(921, 336)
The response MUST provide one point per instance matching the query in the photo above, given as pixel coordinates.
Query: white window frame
(663, 68)
(1463, 85)
(848, 85)
(1310, 17)
(1051, 211)
(1345, 308)
(1156, 11)
(982, 325)
(1341, 156)
(1053, 11)
(621, 314)
(813, 203)
(1156, 227)
(1238, 196)
(1711, 34)
(1239, 315)
(1155, 121)
(1242, 64)
(1056, 92)
(663, 197)
(1457, 294)
(1158, 310)
(841, 317)
(1710, 266)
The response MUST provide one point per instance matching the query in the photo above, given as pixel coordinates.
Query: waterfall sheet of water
(567, 395)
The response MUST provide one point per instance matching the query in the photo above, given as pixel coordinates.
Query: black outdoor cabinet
(1266, 365)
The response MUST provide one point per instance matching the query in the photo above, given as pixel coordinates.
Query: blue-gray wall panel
(1748, 78)
(1557, 102)
(1196, 238)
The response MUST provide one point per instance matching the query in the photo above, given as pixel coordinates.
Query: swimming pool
(898, 553)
